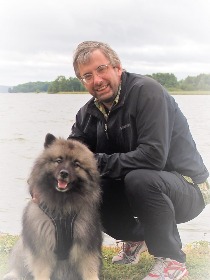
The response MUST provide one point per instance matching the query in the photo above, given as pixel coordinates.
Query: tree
(200, 82)
(61, 84)
(31, 87)
(77, 85)
(165, 79)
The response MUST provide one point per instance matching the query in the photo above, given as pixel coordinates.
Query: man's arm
(155, 116)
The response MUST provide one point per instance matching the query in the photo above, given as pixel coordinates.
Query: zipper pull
(105, 129)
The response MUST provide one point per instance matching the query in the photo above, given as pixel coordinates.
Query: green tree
(31, 87)
(200, 82)
(77, 85)
(61, 84)
(167, 80)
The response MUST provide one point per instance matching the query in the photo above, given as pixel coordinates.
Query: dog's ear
(49, 139)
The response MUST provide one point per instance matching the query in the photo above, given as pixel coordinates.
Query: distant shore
(172, 92)
(176, 92)
(192, 92)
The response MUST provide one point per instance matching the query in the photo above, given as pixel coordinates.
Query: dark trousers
(160, 200)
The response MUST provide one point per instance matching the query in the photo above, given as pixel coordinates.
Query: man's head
(84, 50)
(99, 68)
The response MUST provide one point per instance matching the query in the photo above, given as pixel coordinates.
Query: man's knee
(142, 180)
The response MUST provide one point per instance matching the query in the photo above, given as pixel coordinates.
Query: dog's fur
(66, 181)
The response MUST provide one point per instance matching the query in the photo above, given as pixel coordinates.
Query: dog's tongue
(62, 184)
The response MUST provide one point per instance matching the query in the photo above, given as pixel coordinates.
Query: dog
(61, 235)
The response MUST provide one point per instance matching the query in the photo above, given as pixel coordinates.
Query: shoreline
(172, 92)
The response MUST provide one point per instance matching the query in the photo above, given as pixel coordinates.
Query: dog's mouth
(62, 186)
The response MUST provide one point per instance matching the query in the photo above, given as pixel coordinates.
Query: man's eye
(88, 77)
(101, 69)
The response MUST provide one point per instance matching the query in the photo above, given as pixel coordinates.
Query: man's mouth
(101, 88)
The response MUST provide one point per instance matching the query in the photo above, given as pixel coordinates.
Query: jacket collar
(93, 108)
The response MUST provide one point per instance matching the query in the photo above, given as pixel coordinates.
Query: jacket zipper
(106, 126)
(106, 132)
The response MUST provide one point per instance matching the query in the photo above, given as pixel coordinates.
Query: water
(26, 118)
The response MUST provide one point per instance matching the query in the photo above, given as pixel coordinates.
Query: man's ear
(119, 70)
(49, 139)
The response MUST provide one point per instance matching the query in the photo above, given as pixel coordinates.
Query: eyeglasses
(100, 71)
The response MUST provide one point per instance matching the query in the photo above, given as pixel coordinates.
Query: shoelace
(125, 246)
(158, 269)
(125, 249)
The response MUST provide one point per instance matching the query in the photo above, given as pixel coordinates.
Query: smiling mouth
(62, 186)
(102, 88)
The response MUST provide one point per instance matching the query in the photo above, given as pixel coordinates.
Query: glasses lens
(101, 70)
(87, 78)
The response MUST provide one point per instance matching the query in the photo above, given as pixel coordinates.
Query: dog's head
(65, 166)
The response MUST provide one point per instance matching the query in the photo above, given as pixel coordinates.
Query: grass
(198, 264)
(198, 261)
(6, 243)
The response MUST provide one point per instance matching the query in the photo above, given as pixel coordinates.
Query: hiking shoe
(167, 269)
(130, 253)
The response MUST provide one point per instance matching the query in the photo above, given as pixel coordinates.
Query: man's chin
(107, 99)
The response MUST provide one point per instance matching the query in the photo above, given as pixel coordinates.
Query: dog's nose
(64, 173)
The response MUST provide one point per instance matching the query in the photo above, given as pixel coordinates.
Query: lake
(25, 119)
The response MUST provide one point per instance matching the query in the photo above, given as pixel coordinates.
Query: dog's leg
(90, 275)
(88, 264)
(42, 273)
(90, 269)
(40, 269)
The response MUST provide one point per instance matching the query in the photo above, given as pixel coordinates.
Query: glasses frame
(83, 78)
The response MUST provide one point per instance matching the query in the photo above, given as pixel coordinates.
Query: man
(152, 176)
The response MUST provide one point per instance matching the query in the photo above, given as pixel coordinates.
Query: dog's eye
(76, 164)
(58, 160)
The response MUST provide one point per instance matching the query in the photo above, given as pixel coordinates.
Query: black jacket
(145, 130)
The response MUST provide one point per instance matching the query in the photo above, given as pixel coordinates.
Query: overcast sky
(38, 37)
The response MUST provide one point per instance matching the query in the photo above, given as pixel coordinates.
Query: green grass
(198, 261)
(198, 264)
(6, 243)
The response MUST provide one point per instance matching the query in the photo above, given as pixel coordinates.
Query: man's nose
(97, 79)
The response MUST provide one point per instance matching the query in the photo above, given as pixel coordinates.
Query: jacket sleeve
(155, 113)
(76, 130)
(82, 130)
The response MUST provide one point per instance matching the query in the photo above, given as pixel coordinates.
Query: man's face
(103, 86)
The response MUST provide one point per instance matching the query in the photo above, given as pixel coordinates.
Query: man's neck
(105, 107)
(108, 105)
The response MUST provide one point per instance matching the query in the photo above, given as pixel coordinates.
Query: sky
(38, 37)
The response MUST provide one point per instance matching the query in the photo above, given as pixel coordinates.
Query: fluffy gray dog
(61, 235)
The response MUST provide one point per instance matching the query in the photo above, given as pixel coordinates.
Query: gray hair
(84, 50)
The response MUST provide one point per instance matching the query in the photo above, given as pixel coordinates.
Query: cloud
(39, 37)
